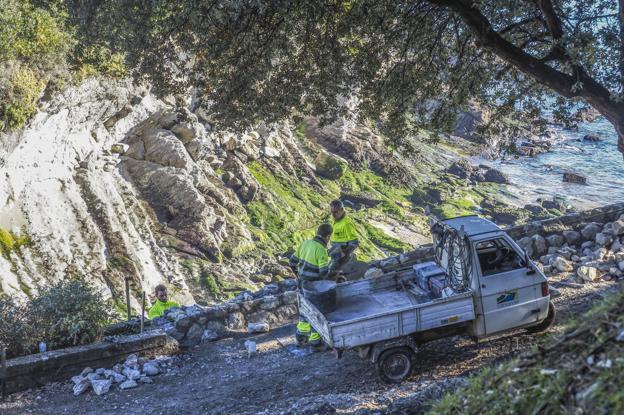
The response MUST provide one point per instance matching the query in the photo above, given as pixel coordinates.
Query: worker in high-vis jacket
(344, 240)
(311, 263)
(162, 303)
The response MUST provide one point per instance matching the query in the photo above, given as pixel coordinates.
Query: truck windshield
(497, 256)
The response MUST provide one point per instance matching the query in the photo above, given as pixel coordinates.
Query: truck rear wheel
(547, 322)
(395, 364)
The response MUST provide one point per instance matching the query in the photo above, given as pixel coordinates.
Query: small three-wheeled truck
(479, 283)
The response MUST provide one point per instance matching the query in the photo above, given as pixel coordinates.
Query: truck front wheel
(547, 322)
(395, 364)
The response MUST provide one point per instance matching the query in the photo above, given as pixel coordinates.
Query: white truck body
(500, 297)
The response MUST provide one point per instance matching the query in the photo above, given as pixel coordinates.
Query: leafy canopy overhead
(405, 65)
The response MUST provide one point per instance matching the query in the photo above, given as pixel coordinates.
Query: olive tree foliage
(405, 65)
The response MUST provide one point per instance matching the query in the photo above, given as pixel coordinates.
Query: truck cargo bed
(383, 308)
(351, 308)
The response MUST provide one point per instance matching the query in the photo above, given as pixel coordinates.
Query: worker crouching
(311, 263)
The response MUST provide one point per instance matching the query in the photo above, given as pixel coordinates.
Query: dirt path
(219, 378)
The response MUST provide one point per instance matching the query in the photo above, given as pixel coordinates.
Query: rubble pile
(134, 371)
(594, 252)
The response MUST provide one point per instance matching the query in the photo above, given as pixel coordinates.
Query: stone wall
(273, 305)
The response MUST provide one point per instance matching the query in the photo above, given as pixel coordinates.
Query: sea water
(600, 162)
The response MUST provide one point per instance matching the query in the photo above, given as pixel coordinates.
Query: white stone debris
(100, 387)
(82, 386)
(151, 369)
(129, 384)
(250, 346)
(258, 327)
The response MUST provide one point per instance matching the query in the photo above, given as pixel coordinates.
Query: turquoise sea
(600, 162)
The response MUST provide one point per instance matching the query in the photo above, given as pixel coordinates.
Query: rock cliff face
(110, 183)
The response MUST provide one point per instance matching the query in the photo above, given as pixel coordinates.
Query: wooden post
(128, 297)
(4, 373)
(142, 311)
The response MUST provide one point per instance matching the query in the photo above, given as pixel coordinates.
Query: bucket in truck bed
(321, 293)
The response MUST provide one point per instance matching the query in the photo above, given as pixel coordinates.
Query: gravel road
(220, 378)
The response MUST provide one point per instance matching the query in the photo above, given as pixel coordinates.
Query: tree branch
(589, 89)
(515, 25)
(554, 24)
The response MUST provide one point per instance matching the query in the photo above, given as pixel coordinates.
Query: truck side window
(496, 256)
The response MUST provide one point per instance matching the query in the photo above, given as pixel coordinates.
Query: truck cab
(510, 291)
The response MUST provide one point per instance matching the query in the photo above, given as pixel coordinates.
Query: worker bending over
(162, 302)
(311, 263)
(344, 240)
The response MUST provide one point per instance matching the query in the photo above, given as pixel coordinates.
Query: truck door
(509, 293)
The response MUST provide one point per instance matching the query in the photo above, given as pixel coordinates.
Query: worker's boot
(301, 339)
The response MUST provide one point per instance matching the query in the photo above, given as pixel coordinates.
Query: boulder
(186, 131)
(526, 243)
(566, 252)
(587, 274)
(289, 297)
(621, 266)
(618, 227)
(164, 148)
(562, 264)
(555, 240)
(183, 323)
(269, 303)
(496, 176)
(590, 230)
(286, 313)
(151, 369)
(591, 137)
(572, 237)
(603, 239)
(258, 327)
(236, 321)
(100, 387)
(616, 246)
(193, 336)
(330, 166)
(574, 178)
(209, 336)
(461, 168)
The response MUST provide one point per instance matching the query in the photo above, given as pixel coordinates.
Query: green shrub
(66, 314)
(70, 313)
(21, 93)
(17, 333)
